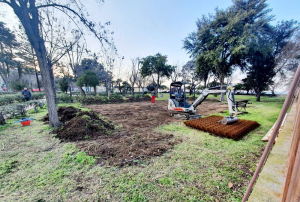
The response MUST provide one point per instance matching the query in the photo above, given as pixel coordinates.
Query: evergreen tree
(156, 65)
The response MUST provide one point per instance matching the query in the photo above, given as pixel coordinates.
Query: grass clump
(8, 166)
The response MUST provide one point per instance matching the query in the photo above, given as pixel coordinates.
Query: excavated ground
(211, 124)
(147, 116)
(130, 137)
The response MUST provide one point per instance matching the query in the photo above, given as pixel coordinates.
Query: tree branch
(83, 20)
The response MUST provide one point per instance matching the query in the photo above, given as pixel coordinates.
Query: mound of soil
(64, 114)
(84, 125)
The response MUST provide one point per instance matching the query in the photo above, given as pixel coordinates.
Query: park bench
(241, 105)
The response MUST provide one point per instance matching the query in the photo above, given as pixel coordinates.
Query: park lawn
(34, 166)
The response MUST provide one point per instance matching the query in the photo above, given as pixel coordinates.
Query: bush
(63, 98)
(102, 94)
(8, 99)
(136, 98)
(7, 93)
(12, 98)
(93, 100)
(37, 96)
(18, 85)
(115, 98)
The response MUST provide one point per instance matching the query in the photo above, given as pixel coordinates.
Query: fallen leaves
(230, 185)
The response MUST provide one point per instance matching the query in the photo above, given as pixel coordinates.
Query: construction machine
(178, 104)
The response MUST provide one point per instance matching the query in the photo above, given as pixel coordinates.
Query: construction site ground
(145, 116)
(35, 166)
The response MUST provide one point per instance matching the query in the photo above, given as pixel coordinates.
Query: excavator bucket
(212, 124)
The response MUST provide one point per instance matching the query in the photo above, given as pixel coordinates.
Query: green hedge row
(12, 98)
(114, 98)
(66, 98)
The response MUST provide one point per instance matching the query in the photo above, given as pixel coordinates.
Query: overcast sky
(146, 27)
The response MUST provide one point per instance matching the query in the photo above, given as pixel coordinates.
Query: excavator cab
(177, 100)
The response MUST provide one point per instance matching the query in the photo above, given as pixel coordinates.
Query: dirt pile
(64, 114)
(211, 124)
(85, 125)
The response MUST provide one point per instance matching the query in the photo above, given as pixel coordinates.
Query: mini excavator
(179, 105)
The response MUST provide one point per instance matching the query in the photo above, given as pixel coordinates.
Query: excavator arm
(230, 98)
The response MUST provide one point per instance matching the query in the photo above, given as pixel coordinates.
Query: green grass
(35, 166)
(76, 105)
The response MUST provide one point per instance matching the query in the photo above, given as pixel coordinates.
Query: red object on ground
(153, 99)
(26, 123)
(36, 90)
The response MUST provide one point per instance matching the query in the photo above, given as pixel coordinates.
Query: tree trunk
(82, 91)
(108, 87)
(30, 22)
(36, 74)
(70, 89)
(2, 120)
(258, 96)
(139, 91)
(156, 87)
(19, 67)
(221, 84)
(95, 90)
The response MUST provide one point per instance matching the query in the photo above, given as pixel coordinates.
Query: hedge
(12, 98)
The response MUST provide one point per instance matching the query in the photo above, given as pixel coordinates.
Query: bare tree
(134, 72)
(29, 16)
(140, 83)
(289, 57)
(176, 73)
(74, 56)
(189, 74)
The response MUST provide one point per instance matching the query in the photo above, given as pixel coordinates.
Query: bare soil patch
(133, 140)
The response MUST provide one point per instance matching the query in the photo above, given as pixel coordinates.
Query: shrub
(8, 99)
(12, 98)
(102, 94)
(115, 98)
(93, 100)
(64, 98)
(18, 85)
(37, 96)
